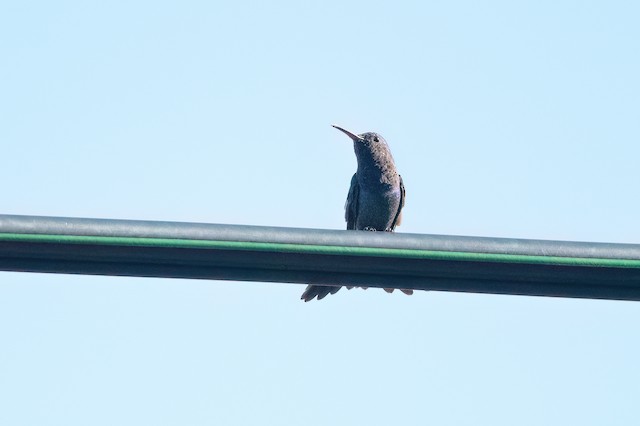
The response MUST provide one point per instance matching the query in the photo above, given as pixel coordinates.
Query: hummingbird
(375, 199)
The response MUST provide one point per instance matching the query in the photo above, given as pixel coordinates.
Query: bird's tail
(318, 290)
(321, 291)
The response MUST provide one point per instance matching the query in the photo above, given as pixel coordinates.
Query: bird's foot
(388, 230)
(404, 290)
(368, 228)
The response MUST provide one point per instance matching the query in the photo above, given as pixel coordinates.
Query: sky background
(506, 119)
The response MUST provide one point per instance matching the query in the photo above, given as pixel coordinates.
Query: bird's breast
(377, 208)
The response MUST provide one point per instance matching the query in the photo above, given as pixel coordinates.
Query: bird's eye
(375, 139)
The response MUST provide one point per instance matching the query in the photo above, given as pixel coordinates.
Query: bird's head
(374, 156)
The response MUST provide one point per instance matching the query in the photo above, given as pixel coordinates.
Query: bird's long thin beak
(346, 132)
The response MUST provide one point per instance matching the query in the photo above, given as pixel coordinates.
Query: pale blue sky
(513, 119)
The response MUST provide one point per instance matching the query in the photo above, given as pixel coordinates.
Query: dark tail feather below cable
(318, 290)
(322, 291)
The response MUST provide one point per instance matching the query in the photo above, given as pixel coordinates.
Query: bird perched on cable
(375, 198)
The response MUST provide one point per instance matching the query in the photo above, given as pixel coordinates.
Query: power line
(270, 254)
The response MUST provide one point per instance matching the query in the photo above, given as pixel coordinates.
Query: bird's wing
(351, 206)
(396, 222)
(398, 218)
(350, 214)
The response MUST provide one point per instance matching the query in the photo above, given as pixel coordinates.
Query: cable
(377, 259)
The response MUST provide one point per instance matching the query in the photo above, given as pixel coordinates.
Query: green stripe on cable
(321, 249)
